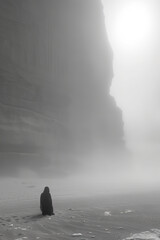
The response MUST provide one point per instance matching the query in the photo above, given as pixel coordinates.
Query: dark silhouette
(46, 203)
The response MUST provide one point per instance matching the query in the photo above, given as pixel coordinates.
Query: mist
(133, 31)
(69, 115)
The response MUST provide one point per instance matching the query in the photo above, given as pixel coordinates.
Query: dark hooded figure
(46, 202)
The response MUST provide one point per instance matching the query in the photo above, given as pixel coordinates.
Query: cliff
(55, 76)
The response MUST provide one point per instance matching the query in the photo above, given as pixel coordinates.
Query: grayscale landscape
(79, 113)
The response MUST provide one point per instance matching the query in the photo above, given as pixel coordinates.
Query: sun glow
(133, 25)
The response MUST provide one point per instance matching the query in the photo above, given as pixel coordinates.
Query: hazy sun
(133, 24)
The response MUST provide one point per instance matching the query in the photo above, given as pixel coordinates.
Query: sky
(134, 34)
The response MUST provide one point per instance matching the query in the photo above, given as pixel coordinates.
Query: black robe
(46, 203)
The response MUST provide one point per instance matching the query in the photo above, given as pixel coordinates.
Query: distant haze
(136, 85)
(79, 93)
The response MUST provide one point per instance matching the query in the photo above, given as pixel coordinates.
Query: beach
(98, 217)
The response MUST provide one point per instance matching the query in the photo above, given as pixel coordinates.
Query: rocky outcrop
(55, 76)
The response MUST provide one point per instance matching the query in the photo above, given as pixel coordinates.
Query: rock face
(55, 76)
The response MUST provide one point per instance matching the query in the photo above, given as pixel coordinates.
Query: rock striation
(55, 77)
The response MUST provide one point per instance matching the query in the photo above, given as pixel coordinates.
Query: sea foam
(153, 234)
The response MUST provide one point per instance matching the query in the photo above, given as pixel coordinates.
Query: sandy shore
(103, 217)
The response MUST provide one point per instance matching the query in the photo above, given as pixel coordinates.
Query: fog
(133, 30)
(79, 109)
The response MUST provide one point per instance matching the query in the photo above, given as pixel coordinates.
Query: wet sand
(103, 217)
